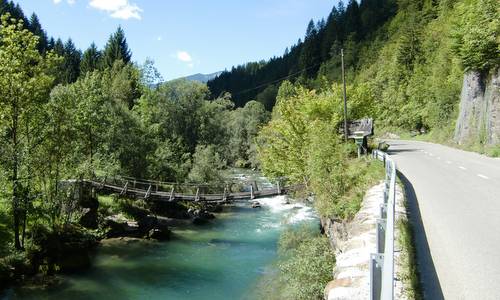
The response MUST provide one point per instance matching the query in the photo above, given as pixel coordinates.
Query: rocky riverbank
(70, 247)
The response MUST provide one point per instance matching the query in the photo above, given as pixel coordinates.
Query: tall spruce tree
(309, 57)
(91, 59)
(72, 57)
(36, 28)
(116, 49)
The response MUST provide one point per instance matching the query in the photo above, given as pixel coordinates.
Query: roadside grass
(409, 273)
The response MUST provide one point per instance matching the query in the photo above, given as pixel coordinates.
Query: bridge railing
(184, 188)
(382, 262)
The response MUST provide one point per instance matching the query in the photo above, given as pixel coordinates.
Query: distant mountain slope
(316, 55)
(202, 77)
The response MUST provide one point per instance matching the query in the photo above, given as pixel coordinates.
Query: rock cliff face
(479, 116)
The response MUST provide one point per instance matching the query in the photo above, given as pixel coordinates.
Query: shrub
(307, 264)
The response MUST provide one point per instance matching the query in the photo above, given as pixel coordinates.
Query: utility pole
(345, 96)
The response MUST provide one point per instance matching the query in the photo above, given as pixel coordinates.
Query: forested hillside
(408, 77)
(345, 26)
(409, 58)
(67, 115)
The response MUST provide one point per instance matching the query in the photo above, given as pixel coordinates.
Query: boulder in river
(256, 204)
(119, 226)
(160, 234)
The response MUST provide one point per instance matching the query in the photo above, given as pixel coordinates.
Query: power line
(275, 81)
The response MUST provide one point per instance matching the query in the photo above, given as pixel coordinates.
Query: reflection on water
(223, 260)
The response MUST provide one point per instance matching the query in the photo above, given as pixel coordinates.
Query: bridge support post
(171, 198)
(148, 193)
(279, 187)
(103, 182)
(197, 197)
(252, 196)
(124, 190)
(224, 196)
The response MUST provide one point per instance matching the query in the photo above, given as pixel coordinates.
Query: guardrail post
(376, 264)
(383, 210)
(381, 230)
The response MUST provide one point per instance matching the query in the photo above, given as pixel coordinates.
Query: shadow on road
(400, 150)
(431, 288)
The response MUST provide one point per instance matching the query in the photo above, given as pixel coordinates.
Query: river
(222, 260)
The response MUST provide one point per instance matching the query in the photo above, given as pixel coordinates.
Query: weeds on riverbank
(304, 267)
(360, 175)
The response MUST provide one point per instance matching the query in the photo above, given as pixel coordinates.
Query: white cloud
(184, 56)
(159, 38)
(119, 9)
(70, 2)
(191, 65)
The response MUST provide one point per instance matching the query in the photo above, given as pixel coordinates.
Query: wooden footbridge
(173, 192)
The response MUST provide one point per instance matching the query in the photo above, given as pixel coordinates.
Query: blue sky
(184, 37)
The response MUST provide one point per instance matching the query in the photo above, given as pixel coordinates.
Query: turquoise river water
(223, 260)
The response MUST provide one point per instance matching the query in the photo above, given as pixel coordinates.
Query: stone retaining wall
(353, 243)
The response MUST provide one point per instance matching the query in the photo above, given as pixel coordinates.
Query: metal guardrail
(382, 262)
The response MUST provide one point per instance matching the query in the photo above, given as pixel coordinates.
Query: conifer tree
(116, 49)
(36, 28)
(91, 59)
(71, 66)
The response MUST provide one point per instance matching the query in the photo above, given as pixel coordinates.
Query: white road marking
(463, 168)
(431, 154)
(448, 162)
(438, 158)
(483, 176)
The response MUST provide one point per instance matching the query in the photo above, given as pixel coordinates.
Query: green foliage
(306, 263)
(207, 166)
(91, 59)
(477, 34)
(25, 82)
(116, 49)
(305, 126)
(344, 27)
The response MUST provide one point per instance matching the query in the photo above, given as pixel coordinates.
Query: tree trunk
(15, 179)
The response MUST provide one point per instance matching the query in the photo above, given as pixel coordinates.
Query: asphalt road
(454, 203)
